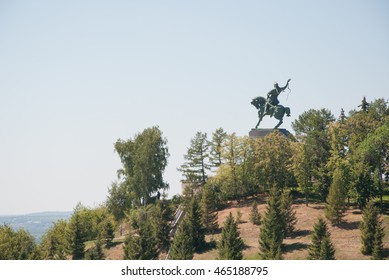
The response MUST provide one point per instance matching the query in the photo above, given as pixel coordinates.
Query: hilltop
(345, 237)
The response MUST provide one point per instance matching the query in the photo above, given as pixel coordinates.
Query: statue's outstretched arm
(287, 83)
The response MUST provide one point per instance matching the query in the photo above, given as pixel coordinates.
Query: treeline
(338, 161)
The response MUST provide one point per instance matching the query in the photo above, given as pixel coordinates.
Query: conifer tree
(336, 201)
(255, 216)
(208, 209)
(230, 246)
(289, 215)
(372, 231)
(141, 243)
(218, 138)
(195, 217)
(76, 236)
(182, 246)
(162, 216)
(321, 247)
(272, 231)
(378, 247)
(196, 164)
(96, 252)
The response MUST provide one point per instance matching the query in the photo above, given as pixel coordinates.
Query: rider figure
(272, 98)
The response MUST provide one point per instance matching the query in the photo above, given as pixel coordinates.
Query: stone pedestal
(262, 132)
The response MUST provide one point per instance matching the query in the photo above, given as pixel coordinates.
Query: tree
(208, 209)
(193, 212)
(272, 231)
(378, 247)
(374, 151)
(321, 247)
(230, 246)
(216, 144)
(336, 204)
(302, 167)
(144, 159)
(119, 200)
(288, 214)
(17, 245)
(54, 244)
(311, 128)
(77, 235)
(255, 216)
(141, 243)
(96, 252)
(162, 216)
(182, 246)
(196, 165)
(372, 231)
(273, 156)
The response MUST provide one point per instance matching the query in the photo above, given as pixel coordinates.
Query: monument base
(262, 132)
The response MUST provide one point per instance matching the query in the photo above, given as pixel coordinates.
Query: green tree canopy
(196, 164)
(144, 159)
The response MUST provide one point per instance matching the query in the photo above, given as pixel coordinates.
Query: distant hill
(35, 223)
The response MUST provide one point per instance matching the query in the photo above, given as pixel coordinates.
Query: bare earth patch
(345, 237)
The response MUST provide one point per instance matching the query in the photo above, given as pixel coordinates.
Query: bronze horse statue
(270, 106)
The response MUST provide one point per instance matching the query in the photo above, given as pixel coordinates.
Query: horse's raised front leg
(260, 116)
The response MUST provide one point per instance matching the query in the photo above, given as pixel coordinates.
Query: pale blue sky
(77, 75)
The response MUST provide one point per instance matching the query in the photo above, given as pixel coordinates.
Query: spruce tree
(195, 217)
(272, 231)
(372, 231)
(208, 210)
(230, 246)
(255, 216)
(76, 236)
(336, 201)
(289, 215)
(378, 247)
(321, 247)
(141, 243)
(182, 246)
(162, 215)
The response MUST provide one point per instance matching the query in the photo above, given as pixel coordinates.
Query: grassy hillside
(345, 237)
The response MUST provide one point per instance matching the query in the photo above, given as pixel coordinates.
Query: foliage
(161, 217)
(311, 129)
(54, 244)
(196, 165)
(208, 209)
(17, 245)
(273, 155)
(144, 159)
(321, 247)
(255, 216)
(230, 246)
(216, 145)
(272, 231)
(96, 252)
(288, 214)
(141, 243)
(336, 204)
(194, 215)
(77, 235)
(302, 167)
(372, 232)
(119, 200)
(182, 246)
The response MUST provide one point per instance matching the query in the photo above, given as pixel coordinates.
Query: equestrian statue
(270, 106)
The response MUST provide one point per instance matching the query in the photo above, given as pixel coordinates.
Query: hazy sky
(77, 75)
